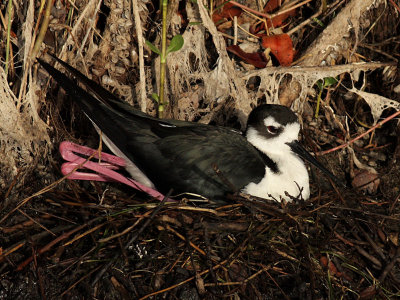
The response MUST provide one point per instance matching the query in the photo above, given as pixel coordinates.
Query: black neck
(269, 162)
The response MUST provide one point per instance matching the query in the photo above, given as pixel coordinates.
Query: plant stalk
(163, 58)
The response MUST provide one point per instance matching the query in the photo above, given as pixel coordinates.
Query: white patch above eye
(270, 121)
(276, 144)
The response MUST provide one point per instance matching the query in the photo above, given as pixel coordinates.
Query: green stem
(43, 29)
(163, 58)
(318, 102)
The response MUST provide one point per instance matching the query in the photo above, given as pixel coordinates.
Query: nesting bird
(264, 161)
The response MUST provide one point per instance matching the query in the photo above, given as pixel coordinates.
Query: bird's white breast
(292, 176)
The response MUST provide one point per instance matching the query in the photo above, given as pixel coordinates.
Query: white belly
(292, 178)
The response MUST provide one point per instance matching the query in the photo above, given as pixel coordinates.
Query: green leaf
(328, 81)
(318, 22)
(153, 48)
(155, 97)
(319, 84)
(176, 43)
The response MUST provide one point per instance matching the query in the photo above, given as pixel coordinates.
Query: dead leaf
(281, 47)
(256, 59)
(228, 11)
(366, 180)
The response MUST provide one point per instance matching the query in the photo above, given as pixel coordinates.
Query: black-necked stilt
(191, 157)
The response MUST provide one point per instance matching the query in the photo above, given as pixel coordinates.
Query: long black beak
(303, 153)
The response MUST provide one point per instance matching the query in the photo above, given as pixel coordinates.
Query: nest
(335, 245)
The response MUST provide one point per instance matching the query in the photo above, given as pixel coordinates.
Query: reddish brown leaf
(256, 59)
(228, 11)
(271, 5)
(332, 268)
(277, 21)
(274, 22)
(281, 47)
(324, 261)
(367, 181)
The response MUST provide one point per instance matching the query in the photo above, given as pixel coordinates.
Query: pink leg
(104, 170)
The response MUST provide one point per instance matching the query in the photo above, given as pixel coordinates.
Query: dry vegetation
(84, 240)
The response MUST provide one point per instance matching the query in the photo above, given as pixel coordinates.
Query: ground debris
(265, 249)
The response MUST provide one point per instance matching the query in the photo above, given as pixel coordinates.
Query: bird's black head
(281, 114)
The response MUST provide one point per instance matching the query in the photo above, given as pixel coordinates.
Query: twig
(264, 269)
(377, 51)
(13, 183)
(51, 244)
(390, 266)
(361, 135)
(301, 25)
(14, 248)
(83, 234)
(185, 240)
(231, 37)
(139, 34)
(79, 280)
(36, 222)
(256, 12)
(183, 282)
(266, 15)
(395, 5)
(38, 274)
(92, 28)
(373, 244)
(367, 213)
(235, 31)
(276, 284)
(364, 253)
(347, 242)
(394, 204)
(135, 236)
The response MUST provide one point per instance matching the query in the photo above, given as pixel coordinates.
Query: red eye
(272, 129)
